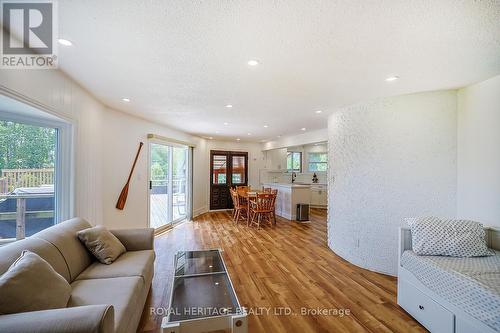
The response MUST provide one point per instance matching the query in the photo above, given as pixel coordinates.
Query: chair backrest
(265, 201)
(266, 189)
(234, 197)
(275, 192)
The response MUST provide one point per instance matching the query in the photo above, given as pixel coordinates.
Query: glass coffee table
(202, 297)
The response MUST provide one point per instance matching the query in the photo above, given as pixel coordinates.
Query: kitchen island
(289, 195)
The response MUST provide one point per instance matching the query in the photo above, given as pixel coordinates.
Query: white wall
(479, 152)
(105, 145)
(256, 160)
(390, 159)
(121, 135)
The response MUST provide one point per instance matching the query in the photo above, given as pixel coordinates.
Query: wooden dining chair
(262, 208)
(266, 189)
(240, 207)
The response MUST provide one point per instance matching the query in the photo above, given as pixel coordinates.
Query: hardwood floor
(286, 266)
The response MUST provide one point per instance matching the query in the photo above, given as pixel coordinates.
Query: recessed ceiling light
(266, 126)
(303, 129)
(126, 100)
(252, 62)
(217, 132)
(279, 136)
(238, 139)
(65, 42)
(229, 105)
(392, 78)
(210, 138)
(249, 133)
(318, 111)
(225, 124)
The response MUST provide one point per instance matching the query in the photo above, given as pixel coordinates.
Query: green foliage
(26, 147)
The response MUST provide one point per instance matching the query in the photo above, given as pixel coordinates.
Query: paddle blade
(122, 199)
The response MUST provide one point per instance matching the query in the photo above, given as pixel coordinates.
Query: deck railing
(11, 179)
(22, 214)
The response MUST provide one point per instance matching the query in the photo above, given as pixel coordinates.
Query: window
(318, 162)
(28, 169)
(294, 161)
(238, 169)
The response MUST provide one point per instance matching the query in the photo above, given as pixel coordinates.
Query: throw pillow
(32, 284)
(102, 244)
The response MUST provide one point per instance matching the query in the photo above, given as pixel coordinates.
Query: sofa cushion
(124, 293)
(101, 243)
(132, 263)
(9, 253)
(63, 236)
(31, 284)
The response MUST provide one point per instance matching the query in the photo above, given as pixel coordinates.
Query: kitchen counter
(289, 195)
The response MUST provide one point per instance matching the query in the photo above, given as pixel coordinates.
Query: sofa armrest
(135, 239)
(80, 319)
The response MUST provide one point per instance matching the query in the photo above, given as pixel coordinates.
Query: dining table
(248, 195)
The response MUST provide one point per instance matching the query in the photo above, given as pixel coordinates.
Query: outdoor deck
(159, 208)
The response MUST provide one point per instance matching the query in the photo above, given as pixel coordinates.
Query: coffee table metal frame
(236, 323)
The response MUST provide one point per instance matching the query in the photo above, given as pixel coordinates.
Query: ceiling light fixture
(252, 62)
(318, 111)
(225, 124)
(229, 105)
(266, 126)
(238, 139)
(249, 133)
(303, 129)
(65, 42)
(126, 100)
(210, 138)
(392, 78)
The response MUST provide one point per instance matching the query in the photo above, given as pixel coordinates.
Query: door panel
(226, 169)
(168, 185)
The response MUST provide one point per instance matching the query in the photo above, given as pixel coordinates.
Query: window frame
(292, 153)
(64, 165)
(309, 161)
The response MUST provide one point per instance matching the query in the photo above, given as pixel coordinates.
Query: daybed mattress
(471, 284)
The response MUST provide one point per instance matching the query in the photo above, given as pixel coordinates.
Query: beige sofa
(104, 298)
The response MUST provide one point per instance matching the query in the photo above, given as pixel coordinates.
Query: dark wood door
(227, 169)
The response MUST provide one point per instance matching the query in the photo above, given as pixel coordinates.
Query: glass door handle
(150, 184)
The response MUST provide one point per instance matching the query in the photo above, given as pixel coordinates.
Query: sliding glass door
(169, 184)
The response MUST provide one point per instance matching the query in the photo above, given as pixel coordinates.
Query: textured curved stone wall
(389, 159)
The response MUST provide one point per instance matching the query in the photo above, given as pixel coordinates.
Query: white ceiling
(180, 62)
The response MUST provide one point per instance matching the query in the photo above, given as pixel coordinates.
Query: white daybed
(449, 294)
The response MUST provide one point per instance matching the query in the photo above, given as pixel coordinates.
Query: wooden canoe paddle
(120, 204)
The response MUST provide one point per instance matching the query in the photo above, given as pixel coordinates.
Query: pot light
(249, 133)
(266, 126)
(65, 42)
(229, 105)
(252, 62)
(318, 111)
(217, 132)
(210, 138)
(126, 100)
(303, 129)
(279, 136)
(225, 124)
(238, 139)
(392, 78)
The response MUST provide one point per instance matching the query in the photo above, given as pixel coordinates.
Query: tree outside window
(318, 162)
(294, 161)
